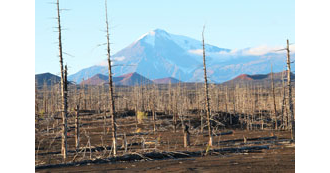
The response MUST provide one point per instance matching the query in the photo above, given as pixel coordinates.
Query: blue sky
(233, 24)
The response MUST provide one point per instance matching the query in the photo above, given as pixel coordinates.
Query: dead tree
(284, 123)
(175, 106)
(136, 105)
(112, 104)
(153, 102)
(198, 107)
(179, 110)
(207, 100)
(63, 87)
(273, 92)
(290, 91)
(45, 97)
(36, 98)
(77, 127)
(186, 136)
(234, 100)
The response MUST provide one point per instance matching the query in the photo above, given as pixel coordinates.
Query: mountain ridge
(166, 80)
(260, 78)
(159, 54)
(129, 79)
(46, 78)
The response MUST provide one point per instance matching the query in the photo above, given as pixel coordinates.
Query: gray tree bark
(63, 87)
(112, 104)
(290, 92)
(207, 99)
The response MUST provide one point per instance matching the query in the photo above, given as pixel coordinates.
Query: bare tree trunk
(207, 100)
(36, 98)
(199, 110)
(234, 101)
(273, 92)
(63, 91)
(290, 92)
(153, 93)
(186, 137)
(77, 127)
(112, 104)
(283, 101)
(125, 142)
(44, 97)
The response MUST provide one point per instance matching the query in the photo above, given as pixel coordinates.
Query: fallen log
(249, 139)
(242, 149)
(222, 133)
(101, 148)
(135, 134)
(276, 142)
(156, 156)
(93, 149)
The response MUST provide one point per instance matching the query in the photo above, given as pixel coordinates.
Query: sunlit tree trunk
(112, 104)
(63, 87)
(290, 92)
(207, 100)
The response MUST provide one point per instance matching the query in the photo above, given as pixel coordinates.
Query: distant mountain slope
(159, 54)
(166, 80)
(47, 78)
(129, 79)
(260, 78)
(98, 79)
(88, 73)
(156, 54)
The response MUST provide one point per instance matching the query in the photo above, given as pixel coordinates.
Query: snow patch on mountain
(120, 58)
(196, 51)
(158, 54)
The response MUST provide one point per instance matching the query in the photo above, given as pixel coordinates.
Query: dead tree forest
(89, 119)
(77, 123)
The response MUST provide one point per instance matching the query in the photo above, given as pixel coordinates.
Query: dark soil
(279, 158)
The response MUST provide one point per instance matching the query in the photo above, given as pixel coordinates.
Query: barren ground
(279, 158)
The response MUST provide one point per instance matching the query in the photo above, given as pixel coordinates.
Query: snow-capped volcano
(184, 42)
(159, 54)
